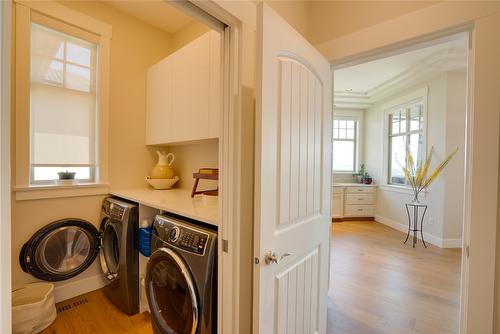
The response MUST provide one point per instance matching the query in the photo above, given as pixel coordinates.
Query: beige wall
(134, 47)
(331, 19)
(296, 13)
(190, 158)
(187, 33)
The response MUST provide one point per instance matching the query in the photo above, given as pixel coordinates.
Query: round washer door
(171, 293)
(60, 250)
(110, 249)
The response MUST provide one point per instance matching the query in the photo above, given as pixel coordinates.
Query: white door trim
(477, 285)
(5, 185)
(236, 169)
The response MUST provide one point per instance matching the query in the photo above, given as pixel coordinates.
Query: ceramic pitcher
(162, 170)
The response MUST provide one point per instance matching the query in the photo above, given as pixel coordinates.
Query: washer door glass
(60, 250)
(110, 253)
(171, 293)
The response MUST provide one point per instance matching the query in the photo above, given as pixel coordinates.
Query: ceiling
(155, 12)
(361, 85)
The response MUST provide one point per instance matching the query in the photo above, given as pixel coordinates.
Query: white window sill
(399, 189)
(34, 192)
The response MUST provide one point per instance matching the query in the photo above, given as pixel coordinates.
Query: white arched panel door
(293, 171)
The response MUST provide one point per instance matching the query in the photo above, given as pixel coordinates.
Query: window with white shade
(345, 134)
(63, 105)
(405, 131)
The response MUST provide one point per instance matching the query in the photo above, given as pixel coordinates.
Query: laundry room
(115, 155)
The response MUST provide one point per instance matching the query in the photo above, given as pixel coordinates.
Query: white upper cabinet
(184, 95)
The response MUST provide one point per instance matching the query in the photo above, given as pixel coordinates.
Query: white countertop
(353, 185)
(177, 201)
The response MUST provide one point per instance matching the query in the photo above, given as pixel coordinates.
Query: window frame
(405, 101)
(407, 132)
(74, 23)
(355, 140)
(63, 28)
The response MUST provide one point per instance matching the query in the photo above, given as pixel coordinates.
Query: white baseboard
(79, 287)
(436, 241)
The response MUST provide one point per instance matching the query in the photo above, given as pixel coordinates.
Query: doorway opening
(413, 102)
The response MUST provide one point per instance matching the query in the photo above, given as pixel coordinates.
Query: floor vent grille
(69, 306)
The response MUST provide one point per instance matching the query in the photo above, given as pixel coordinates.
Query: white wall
(445, 131)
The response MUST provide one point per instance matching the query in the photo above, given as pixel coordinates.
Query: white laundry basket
(33, 308)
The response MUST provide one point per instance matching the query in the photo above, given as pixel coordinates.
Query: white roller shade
(63, 99)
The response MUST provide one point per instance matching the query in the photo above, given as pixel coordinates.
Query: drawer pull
(360, 209)
(360, 199)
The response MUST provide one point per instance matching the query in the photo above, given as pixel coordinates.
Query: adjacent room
(394, 118)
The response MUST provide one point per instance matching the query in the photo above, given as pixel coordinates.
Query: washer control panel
(112, 209)
(193, 241)
(181, 236)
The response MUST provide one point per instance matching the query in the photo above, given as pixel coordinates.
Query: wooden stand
(204, 176)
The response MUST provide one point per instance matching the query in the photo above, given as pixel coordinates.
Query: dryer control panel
(181, 236)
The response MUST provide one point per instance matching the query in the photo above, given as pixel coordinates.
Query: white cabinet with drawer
(338, 202)
(356, 201)
(361, 198)
(359, 211)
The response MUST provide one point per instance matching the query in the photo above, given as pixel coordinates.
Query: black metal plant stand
(413, 223)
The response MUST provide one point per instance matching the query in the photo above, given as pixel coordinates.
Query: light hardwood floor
(93, 313)
(379, 285)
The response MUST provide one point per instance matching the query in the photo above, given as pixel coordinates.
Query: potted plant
(361, 174)
(66, 177)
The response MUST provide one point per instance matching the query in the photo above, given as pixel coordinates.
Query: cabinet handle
(360, 199)
(360, 209)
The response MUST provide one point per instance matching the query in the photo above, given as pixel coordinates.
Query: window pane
(343, 155)
(350, 134)
(350, 124)
(50, 173)
(398, 154)
(335, 123)
(416, 117)
(416, 147)
(342, 134)
(342, 124)
(394, 123)
(78, 54)
(46, 42)
(402, 124)
(46, 70)
(78, 78)
(335, 133)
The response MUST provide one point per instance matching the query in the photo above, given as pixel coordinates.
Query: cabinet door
(215, 107)
(338, 205)
(190, 91)
(159, 103)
